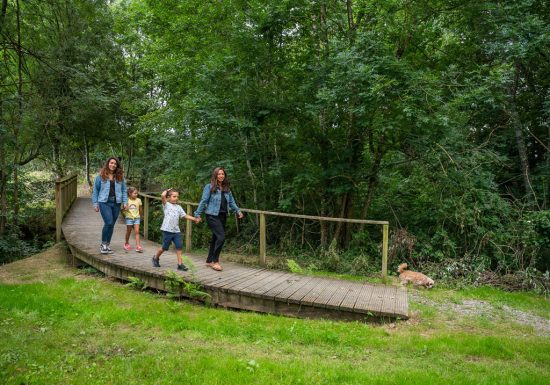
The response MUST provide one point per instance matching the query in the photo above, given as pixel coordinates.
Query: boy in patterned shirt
(170, 226)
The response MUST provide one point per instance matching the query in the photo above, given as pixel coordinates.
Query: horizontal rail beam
(279, 214)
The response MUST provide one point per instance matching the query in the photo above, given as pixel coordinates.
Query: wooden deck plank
(364, 298)
(388, 305)
(274, 292)
(320, 294)
(259, 291)
(339, 294)
(401, 304)
(375, 303)
(241, 280)
(221, 279)
(237, 287)
(348, 302)
(290, 290)
(256, 286)
(299, 294)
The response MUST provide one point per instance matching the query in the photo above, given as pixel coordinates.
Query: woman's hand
(96, 209)
(240, 215)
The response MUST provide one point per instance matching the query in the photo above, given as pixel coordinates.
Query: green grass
(66, 328)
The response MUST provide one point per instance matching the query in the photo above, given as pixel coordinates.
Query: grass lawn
(59, 325)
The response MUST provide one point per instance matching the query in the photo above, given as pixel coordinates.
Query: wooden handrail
(263, 234)
(65, 195)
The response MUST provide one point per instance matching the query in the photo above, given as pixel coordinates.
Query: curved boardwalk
(237, 286)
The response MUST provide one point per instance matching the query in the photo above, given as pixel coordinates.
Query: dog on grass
(417, 279)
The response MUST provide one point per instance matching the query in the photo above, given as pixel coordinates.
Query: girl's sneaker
(127, 247)
(139, 249)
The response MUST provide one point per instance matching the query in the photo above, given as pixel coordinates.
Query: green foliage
(177, 286)
(13, 247)
(293, 266)
(90, 270)
(136, 283)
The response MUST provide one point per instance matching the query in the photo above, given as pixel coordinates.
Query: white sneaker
(103, 249)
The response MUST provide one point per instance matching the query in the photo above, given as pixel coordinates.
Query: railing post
(58, 212)
(385, 230)
(188, 230)
(262, 239)
(65, 195)
(146, 218)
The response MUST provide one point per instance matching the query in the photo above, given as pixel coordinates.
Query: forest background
(433, 115)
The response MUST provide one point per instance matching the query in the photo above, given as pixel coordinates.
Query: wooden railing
(263, 234)
(65, 195)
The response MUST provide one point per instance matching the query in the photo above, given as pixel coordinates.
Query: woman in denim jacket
(108, 194)
(217, 199)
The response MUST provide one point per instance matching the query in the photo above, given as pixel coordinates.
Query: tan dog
(417, 279)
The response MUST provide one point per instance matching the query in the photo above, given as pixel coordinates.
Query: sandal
(216, 266)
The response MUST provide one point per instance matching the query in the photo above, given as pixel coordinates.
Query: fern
(136, 283)
(176, 286)
(293, 266)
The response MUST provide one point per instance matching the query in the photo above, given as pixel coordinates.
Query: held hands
(96, 209)
(240, 215)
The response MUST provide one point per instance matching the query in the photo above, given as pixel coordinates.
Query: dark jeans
(109, 212)
(217, 226)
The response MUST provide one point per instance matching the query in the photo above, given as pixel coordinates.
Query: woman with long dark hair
(108, 194)
(216, 201)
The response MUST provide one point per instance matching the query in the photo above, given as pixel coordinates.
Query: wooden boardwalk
(237, 286)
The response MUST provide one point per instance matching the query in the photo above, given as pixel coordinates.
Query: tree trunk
(3, 182)
(87, 160)
(373, 179)
(3, 14)
(520, 141)
(19, 117)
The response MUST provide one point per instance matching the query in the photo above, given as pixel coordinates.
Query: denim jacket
(101, 191)
(213, 201)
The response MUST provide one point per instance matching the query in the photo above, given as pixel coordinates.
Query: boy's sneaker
(103, 249)
(127, 247)
(109, 250)
(182, 267)
(156, 262)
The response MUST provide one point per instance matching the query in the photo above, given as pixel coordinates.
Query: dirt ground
(41, 267)
(477, 308)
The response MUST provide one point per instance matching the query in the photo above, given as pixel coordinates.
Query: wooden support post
(58, 212)
(188, 230)
(262, 239)
(385, 230)
(146, 218)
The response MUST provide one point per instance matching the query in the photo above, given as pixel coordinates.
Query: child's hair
(131, 190)
(170, 191)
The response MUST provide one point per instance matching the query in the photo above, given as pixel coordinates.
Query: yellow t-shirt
(133, 209)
